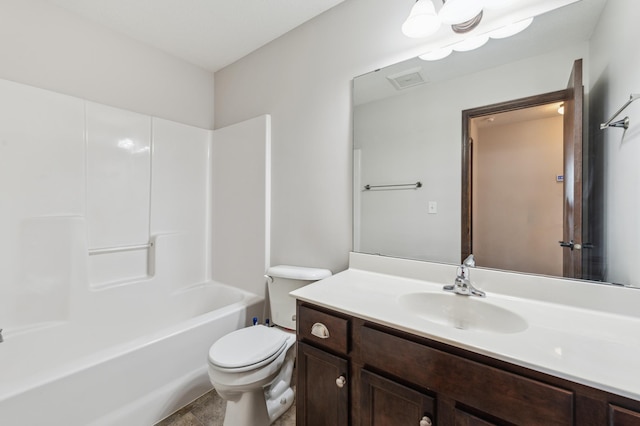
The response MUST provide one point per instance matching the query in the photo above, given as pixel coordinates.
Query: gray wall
(614, 71)
(45, 46)
(303, 80)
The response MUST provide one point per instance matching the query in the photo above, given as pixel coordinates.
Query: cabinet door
(465, 419)
(622, 417)
(384, 402)
(323, 388)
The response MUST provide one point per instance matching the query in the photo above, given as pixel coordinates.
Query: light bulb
(470, 43)
(458, 11)
(437, 54)
(422, 21)
(512, 29)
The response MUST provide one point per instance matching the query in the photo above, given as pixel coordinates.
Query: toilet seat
(247, 349)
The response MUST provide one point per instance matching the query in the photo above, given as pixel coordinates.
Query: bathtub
(133, 373)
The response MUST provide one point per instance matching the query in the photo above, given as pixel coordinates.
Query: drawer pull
(426, 421)
(320, 330)
(341, 381)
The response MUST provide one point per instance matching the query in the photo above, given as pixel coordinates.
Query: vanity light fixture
(458, 11)
(476, 41)
(463, 16)
(422, 21)
(471, 43)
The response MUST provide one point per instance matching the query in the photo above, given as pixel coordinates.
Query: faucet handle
(469, 261)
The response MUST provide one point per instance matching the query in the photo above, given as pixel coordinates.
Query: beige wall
(517, 203)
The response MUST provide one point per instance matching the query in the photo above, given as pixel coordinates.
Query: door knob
(426, 421)
(571, 245)
(341, 381)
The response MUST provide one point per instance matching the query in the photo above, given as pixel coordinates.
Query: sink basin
(463, 312)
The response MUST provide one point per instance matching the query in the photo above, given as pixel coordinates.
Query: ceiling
(209, 33)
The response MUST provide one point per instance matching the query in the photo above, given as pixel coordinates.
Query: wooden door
(467, 157)
(572, 150)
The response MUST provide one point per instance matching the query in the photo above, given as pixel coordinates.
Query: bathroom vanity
(368, 354)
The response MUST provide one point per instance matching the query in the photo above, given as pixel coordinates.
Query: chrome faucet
(462, 284)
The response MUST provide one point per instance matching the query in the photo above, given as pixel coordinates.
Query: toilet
(251, 368)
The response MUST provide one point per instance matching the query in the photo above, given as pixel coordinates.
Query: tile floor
(208, 410)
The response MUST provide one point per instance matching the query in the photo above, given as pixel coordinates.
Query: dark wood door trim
(467, 115)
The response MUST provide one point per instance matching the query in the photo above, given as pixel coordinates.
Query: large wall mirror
(476, 144)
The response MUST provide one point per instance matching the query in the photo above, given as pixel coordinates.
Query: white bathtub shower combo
(109, 300)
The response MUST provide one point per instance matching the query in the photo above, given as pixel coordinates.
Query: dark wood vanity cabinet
(323, 380)
(385, 402)
(320, 401)
(354, 372)
(623, 417)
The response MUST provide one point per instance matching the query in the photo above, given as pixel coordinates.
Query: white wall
(45, 46)
(614, 75)
(241, 185)
(303, 80)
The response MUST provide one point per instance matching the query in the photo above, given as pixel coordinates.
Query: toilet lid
(247, 347)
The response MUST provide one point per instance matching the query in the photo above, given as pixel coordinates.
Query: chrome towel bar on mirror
(396, 186)
(625, 121)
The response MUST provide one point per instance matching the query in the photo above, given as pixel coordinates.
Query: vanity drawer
(328, 330)
(510, 397)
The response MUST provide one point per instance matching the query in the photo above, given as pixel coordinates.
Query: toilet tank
(283, 279)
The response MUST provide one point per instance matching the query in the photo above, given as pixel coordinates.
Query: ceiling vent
(408, 78)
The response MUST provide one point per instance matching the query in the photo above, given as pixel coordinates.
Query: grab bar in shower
(625, 121)
(119, 249)
(395, 186)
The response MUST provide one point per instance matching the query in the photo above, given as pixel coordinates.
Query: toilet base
(250, 409)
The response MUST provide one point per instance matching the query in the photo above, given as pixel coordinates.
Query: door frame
(466, 246)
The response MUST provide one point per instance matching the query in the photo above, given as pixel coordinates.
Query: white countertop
(598, 348)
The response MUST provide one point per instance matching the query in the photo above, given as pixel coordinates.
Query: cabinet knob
(320, 330)
(426, 421)
(341, 381)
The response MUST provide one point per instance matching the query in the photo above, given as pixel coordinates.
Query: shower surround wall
(77, 177)
(106, 283)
